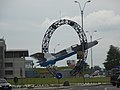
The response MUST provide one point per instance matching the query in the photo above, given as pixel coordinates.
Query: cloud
(47, 23)
(2, 24)
(75, 18)
(104, 18)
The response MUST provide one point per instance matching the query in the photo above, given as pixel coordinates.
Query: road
(96, 87)
(93, 87)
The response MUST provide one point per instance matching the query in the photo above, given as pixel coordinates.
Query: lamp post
(91, 36)
(55, 47)
(82, 12)
(54, 52)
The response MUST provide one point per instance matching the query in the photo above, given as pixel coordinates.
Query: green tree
(113, 58)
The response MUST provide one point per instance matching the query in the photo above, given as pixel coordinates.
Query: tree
(113, 58)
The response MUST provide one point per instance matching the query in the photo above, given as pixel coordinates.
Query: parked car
(114, 78)
(4, 85)
(118, 81)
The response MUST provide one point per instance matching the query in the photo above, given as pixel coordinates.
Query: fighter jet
(46, 59)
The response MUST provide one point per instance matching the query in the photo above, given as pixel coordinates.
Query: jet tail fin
(42, 56)
(38, 56)
(47, 55)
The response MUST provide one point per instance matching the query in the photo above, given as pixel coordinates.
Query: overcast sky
(23, 24)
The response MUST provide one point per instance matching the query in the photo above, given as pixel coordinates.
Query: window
(9, 72)
(9, 64)
(8, 55)
(1, 52)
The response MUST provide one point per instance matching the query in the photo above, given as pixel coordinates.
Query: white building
(12, 62)
(71, 63)
(29, 64)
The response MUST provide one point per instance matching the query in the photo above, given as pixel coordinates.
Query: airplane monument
(48, 60)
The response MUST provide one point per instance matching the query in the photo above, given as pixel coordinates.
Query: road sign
(58, 75)
(15, 80)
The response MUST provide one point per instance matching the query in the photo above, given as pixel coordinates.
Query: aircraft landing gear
(52, 70)
(77, 68)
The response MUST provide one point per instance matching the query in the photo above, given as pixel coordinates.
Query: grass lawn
(55, 81)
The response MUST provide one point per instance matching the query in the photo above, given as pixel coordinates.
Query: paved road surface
(93, 87)
(99, 87)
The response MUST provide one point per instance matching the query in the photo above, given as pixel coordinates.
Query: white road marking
(86, 89)
(105, 88)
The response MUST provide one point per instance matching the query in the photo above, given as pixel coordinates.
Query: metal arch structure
(54, 26)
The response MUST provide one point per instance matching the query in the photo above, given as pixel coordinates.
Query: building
(71, 63)
(29, 64)
(12, 62)
(2, 56)
(66, 73)
(29, 71)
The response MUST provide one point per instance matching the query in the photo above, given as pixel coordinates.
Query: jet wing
(37, 56)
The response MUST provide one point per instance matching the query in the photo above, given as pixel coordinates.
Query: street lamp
(82, 12)
(55, 47)
(91, 36)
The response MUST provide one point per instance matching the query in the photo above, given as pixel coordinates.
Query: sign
(21, 72)
(58, 75)
(15, 80)
(80, 54)
(71, 63)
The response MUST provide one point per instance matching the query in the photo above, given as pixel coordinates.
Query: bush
(66, 83)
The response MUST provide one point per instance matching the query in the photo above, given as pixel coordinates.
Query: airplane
(49, 59)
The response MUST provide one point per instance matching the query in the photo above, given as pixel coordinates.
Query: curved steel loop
(54, 26)
(81, 35)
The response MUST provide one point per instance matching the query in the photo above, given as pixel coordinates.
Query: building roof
(16, 53)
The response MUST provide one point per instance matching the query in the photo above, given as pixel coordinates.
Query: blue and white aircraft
(49, 59)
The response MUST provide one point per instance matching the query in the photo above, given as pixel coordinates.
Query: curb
(60, 86)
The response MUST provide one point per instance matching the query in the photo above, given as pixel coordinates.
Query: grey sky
(23, 24)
